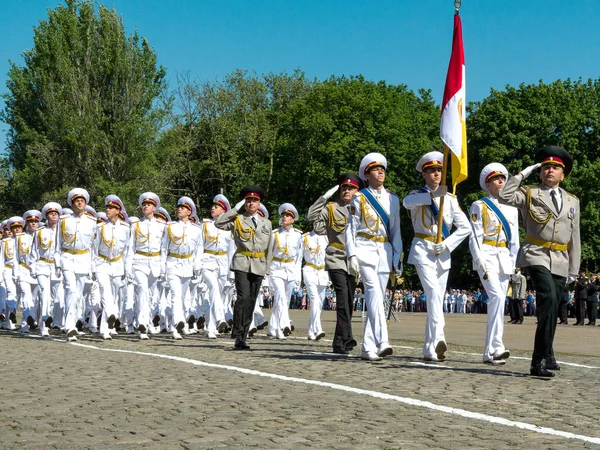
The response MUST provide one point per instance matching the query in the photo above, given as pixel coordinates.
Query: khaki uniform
(550, 253)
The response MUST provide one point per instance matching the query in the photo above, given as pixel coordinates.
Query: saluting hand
(528, 170)
(330, 192)
(238, 205)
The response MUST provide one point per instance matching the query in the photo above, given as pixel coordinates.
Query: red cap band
(114, 205)
(149, 200)
(221, 204)
(33, 218)
(432, 163)
(350, 182)
(291, 213)
(371, 165)
(252, 195)
(553, 160)
(493, 174)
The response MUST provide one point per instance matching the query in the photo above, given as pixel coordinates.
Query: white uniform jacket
(425, 227)
(42, 252)
(314, 246)
(366, 236)
(145, 247)
(488, 242)
(112, 248)
(181, 244)
(217, 247)
(22, 257)
(286, 248)
(75, 243)
(8, 253)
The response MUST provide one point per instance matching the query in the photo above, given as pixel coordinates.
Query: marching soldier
(146, 259)
(374, 248)
(181, 242)
(76, 235)
(285, 271)
(218, 248)
(432, 260)
(551, 252)
(112, 254)
(22, 270)
(315, 279)
(332, 218)
(42, 263)
(252, 237)
(494, 244)
(8, 256)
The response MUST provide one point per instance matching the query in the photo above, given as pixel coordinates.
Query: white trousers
(376, 332)
(216, 307)
(316, 293)
(29, 304)
(258, 317)
(110, 287)
(496, 286)
(74, 284)
(433, 279)
(178, 289)
(145, 284)
(280, 317)
(50, 291)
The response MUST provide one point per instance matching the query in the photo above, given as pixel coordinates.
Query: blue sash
(435, 212)
(378, 209)
(500, 216)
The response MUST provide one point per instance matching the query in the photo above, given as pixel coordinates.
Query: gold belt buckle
(553, 246)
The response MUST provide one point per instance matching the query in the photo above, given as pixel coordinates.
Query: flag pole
(441, 209)
(439, 238)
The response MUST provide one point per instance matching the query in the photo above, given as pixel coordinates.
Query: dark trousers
(563, 310)
(344, 286)
(580, 310)
(592, 308)
(549, 289)
(516, 309)
(247, 286)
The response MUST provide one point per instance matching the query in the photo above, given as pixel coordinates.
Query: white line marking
(375, 394)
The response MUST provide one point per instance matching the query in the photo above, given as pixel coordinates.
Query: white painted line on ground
(375, 394)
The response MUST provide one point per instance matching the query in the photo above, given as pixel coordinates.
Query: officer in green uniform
(551, 252)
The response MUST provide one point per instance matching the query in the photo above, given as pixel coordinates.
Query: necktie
(554, 200)
(254, 221)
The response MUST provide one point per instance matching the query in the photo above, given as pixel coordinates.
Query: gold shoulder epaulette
(134, 219)
(101, 224)
(66, 216)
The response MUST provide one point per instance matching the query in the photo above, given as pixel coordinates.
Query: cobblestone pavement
(59, 395)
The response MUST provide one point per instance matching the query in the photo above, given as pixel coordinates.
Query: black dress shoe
(263, 325)
(241, 346)
(513, 321)
(591, 324)
(540, 370)
(12, 317)
(551, 364)
(519, 322)
(200, 323)
(575, 324)
(156, 320)
(287, 331)
(180, 326)
(79, 325)
(191, 320)
(340, 351)
(350, 344)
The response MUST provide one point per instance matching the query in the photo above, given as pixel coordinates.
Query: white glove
(399, 272)
(353, 266)
(571, 278)
(528, 170)
(439, 248)
(297, 284)
(330, 192)
(239, 205)
(479, 266)
(440, 191)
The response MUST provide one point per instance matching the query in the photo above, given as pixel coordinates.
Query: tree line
(90, 107)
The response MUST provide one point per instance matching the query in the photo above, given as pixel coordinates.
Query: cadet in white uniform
(285, 270)
(494, 245)
(218, 248)
(42, 263)
(146, 259)
(2, 287)
(22, 272)
(75, 240)
(181, 242)
(8, 257)
(374, 248)
(316, 279)
(112, 254)
(432, 260)
(258, 317)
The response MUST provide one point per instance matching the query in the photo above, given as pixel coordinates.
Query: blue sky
(506, 42)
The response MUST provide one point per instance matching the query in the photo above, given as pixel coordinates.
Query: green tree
(511, 125)
(81, 110)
